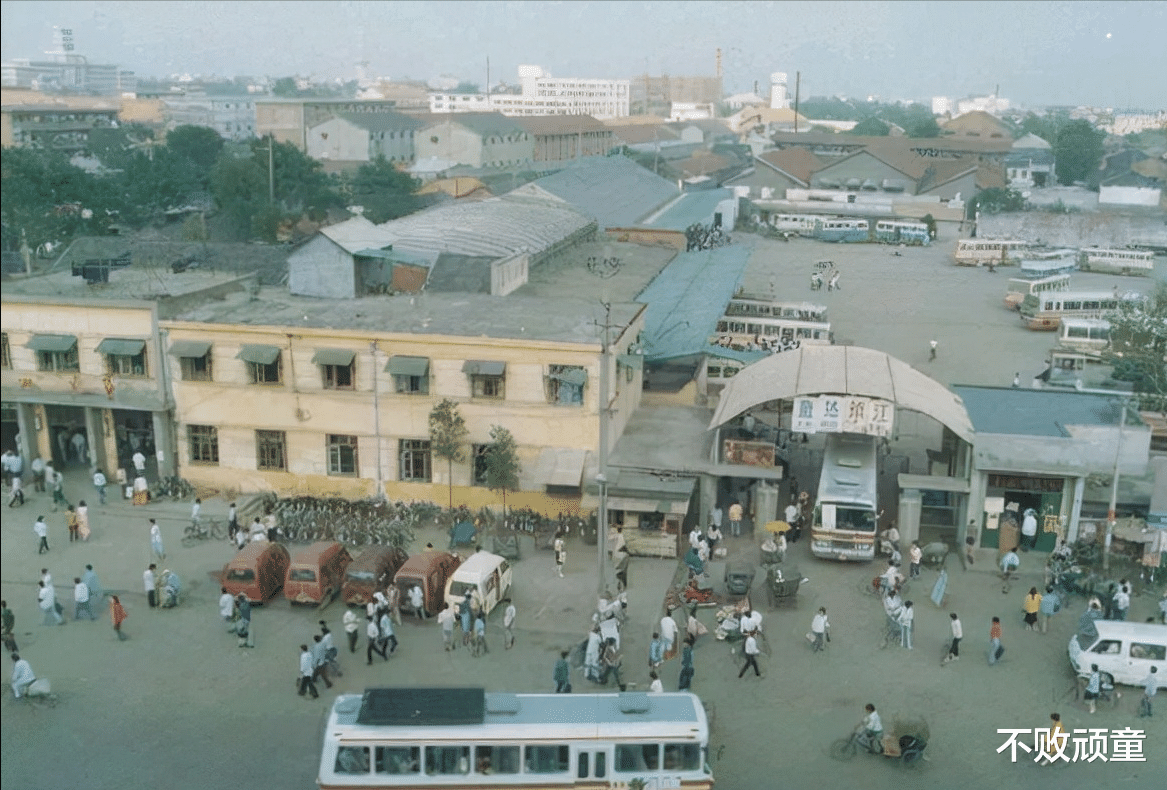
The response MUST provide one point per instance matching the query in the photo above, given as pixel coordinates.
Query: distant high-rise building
(67, 72)
(543, 94)
(779, 97)
(941, 105)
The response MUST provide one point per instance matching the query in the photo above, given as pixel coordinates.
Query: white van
(487, 576)
(1125, 650)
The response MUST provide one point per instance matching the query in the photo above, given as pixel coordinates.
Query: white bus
(1045, 263)
(1090, 336)
(1020, 287)
(467, 737)
(1045, 311)
(895, 231)
(841, 229)
(845, 514)
(802, 224)
(1097, 259)
(1000, 252)
(756, 323)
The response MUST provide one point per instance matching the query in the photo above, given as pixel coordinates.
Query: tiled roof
(559, 124)
(482, 123)
(976, 145)
(797, 162)
(979, 124)
(380, 121)
(644, 133)
(615, 190)
(357, 234)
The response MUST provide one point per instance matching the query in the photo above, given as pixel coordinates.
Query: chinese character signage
(1083, 746)
(737, 451)
(843, 414)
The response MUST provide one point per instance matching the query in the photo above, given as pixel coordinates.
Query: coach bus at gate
(981, 252)
(1045, 311)
(760, 323)
(845, 513)
(1137, 262)
(896, 231)
(468, 738)
(1017, 288)
(1089, 336)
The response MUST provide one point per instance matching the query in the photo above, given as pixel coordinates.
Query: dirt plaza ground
(178, 705)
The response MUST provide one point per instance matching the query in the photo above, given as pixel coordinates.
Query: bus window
(397, 760)
(496, 759)
(547, 759)
(352, 760)
(581, 770)
(629, 758)
(682, 757)
(601, 765)
(447, 760)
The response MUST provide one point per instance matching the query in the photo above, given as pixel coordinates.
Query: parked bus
(1090, 336)
(467, 737)
(1020, 287)
(842, 230)
(894, 231)
(1136, 262)
(802, 224)
(755, 323)
(1046, 310)
(1000, 252)
(1047, 263)
(845, 513)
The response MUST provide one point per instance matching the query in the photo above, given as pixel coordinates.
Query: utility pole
(797, 85)
(602, 477)
(1111, 517)
(271, 171)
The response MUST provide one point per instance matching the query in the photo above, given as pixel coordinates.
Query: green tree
(239, 187)
(447, 430)
(995, 200)
(871, 127)
(1138, 343)
(1044, 126)
(1077, 151)
(923, 127)
(50, 199)
(200, 144)
(502, 464)
(285, 86)
(385, 192)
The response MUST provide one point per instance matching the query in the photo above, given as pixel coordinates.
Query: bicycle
(211, 529)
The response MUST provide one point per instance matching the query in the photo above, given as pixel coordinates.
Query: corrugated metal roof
(383, 121)
(357, 234)
(1030, 412)
(686, 299)
(692, 207)
(614, 190)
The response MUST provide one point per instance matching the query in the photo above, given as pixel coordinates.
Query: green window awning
(190, 348)
(341, 357)
(577, 377)
(52, 342)
(260, 355)
(408, 366)
(119, 347)
(634, 361)
(477, 367)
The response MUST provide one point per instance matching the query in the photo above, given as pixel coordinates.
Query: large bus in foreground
(467, 738)
(845, 513)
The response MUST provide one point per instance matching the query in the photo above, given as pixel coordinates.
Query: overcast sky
(1109, 54)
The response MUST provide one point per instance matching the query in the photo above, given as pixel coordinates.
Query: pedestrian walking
(7, 627)
(373, 632)
(1051, 604)
(592, 655)
(117, 614)
(932, 344)
(306, 672)
(656, 651)
(17, 495)
(915, 554)
(750, 650)
(71, 522)
(957, 635)
(995, 649)
(480, 634)
(668, 635)
(1031, 606)
(330, 651)
(907, 622)
(83, 532)
(246, 631)
(351, 629)
(58, 485)
(232, 521)
(1122, 600)
(319, 653)
(47, 599)
(22, 676)
(1093, 687)
(508, 625)
(41, 530)
(388, 640)
(613, 664)
(446, 620)
(156, 540)
(819, 626)
(38, 474)
(96, 593)
(561, 675)
(81, 600)
(466, 618)
(686, 678)
(417, 601)
(149, 581)
(715, 516)
(560, 548)
(1150, 687)
(227, 610)
(99, 483)
(393, 601)
(196, 513)
(735, 519)
(833, 283)
(139, 461)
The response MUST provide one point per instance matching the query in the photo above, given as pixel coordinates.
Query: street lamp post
(1111, 516)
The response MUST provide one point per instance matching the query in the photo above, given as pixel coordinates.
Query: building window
(196, 368)
(259, 373)
(415, 460)
(487, 379)
(337, 377)
(58, 361)
(342, 455)
(126, 365)
(204, 444)
(478, 463)
(565, 384)
(271, 450)
(411, 375)
(5, 352)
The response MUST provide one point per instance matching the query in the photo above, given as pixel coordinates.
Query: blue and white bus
(842, 229)
(897, 231)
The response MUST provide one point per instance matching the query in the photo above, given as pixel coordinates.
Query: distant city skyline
(1103, 54)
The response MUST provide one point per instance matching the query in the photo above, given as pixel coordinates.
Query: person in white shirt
(446, 621)
(1122, 600)
(306, 671)
(751, 652)
(1029, 530)
(508, 625)
(792, 514)
(22, 676)
(99, 482)
(258, 537)
(195, 510)
(241, 539)
(374, 635)
(227, 608)
(351, 629)
(872, 728)
(655, 687)
(81, 600)
(148, 582)
(668, 634)
(139, 463)
(891, 578)
(47, 599)
(232, 521)
(957, 635)
(818, 628)
(915, 555)
(156, 540)
(41, 530)
(417, 601)
(906, 618)
(695, 538)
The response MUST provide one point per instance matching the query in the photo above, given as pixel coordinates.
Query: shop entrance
(134, 431)
(67, 436)
(1042, 494)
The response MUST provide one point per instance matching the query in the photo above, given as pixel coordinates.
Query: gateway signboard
(843, 414)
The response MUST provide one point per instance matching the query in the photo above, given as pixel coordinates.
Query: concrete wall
(338, 140)
(509, 274)
(1090, 450)
(1080, 229)
(322, 268)
(283, 120)
(1129, 196)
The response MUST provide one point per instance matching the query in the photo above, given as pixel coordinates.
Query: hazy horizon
(1039, 53)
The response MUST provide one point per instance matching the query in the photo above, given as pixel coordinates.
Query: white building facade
(543, 94)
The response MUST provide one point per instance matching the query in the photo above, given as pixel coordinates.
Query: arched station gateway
(789, 410)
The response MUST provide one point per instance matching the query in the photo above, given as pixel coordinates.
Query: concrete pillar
(105, 456)
(909, 522)
(1075, 510)
(94, 435)
(707, 499)
(26, 425)
(163, 427)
